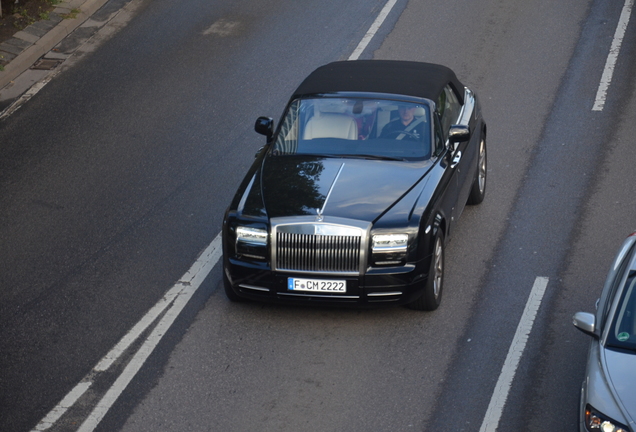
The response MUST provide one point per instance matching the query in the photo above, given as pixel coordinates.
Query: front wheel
(478, 190)
(432, 295)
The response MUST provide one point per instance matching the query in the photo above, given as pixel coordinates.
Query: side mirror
(265, 126)
(586, 322)
(458, 133)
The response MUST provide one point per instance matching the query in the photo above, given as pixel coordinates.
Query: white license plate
(317, 285)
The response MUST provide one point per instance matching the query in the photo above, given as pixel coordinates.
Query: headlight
(251, 235)
(389, 249)
(595, 421)
(251, 242)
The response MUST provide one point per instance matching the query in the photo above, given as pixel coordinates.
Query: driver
(407, 126)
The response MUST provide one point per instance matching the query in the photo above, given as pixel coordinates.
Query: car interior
(341, 126)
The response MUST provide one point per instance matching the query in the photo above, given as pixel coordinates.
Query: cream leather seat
(330, 121)
(330, 125)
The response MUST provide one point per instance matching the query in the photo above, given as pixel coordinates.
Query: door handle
(456, 159)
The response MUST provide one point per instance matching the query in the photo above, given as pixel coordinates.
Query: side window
(440, 140)
(441, 104)
(615, 285)
(449, 108)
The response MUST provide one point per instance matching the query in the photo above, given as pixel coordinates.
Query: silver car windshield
(356, 127)
(623, 330)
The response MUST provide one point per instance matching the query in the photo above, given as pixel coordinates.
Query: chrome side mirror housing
(586, 322)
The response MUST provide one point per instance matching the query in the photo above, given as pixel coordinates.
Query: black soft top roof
(425, 80)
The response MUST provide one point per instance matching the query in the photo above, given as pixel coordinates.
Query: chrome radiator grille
(318, 253)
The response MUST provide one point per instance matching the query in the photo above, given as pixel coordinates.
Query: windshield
(623, 330)
(355, 127)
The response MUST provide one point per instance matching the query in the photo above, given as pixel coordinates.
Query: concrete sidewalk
(33, 53)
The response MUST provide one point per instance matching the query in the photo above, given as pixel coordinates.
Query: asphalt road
(116, 175)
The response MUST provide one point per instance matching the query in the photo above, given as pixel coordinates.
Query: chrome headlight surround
(389, 249)
(595, 421)
(251, 242)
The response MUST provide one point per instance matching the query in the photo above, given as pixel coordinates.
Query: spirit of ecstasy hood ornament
(319, 217)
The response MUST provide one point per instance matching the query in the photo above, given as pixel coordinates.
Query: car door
(464, 153)
(447, 113)
(448, 185)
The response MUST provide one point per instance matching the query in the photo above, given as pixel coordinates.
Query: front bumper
(381, 286)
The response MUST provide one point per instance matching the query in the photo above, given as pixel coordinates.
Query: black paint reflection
(294, 185)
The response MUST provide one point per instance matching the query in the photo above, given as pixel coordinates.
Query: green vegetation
(71, 15)
(27, 19)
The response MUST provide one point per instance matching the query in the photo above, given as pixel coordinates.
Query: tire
(432, 295)
(229, 292)
(478, 190)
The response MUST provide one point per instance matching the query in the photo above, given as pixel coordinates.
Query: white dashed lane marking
(610, 64)
(518, 345)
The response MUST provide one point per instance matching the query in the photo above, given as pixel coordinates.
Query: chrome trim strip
(467, 108)
(319, 296)
(320, 273)
(255, 288)
(241, 205)
(384, 294)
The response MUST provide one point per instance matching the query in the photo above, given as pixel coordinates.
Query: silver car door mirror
(586, 322)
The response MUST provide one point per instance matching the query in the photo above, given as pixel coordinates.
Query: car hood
(621, 368)
(361, 189)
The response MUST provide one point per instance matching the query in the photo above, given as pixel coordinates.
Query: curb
(30, 44)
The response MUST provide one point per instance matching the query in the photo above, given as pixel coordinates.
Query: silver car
(608, 394)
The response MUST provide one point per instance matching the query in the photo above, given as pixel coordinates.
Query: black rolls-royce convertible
(357, 189)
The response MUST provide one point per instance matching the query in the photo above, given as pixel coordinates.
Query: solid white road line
(134, 333)
(610, 64)
(193, 277)
(502, 388)
(113, 393)
(174, 301)
(68, 401)
(372, 30)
